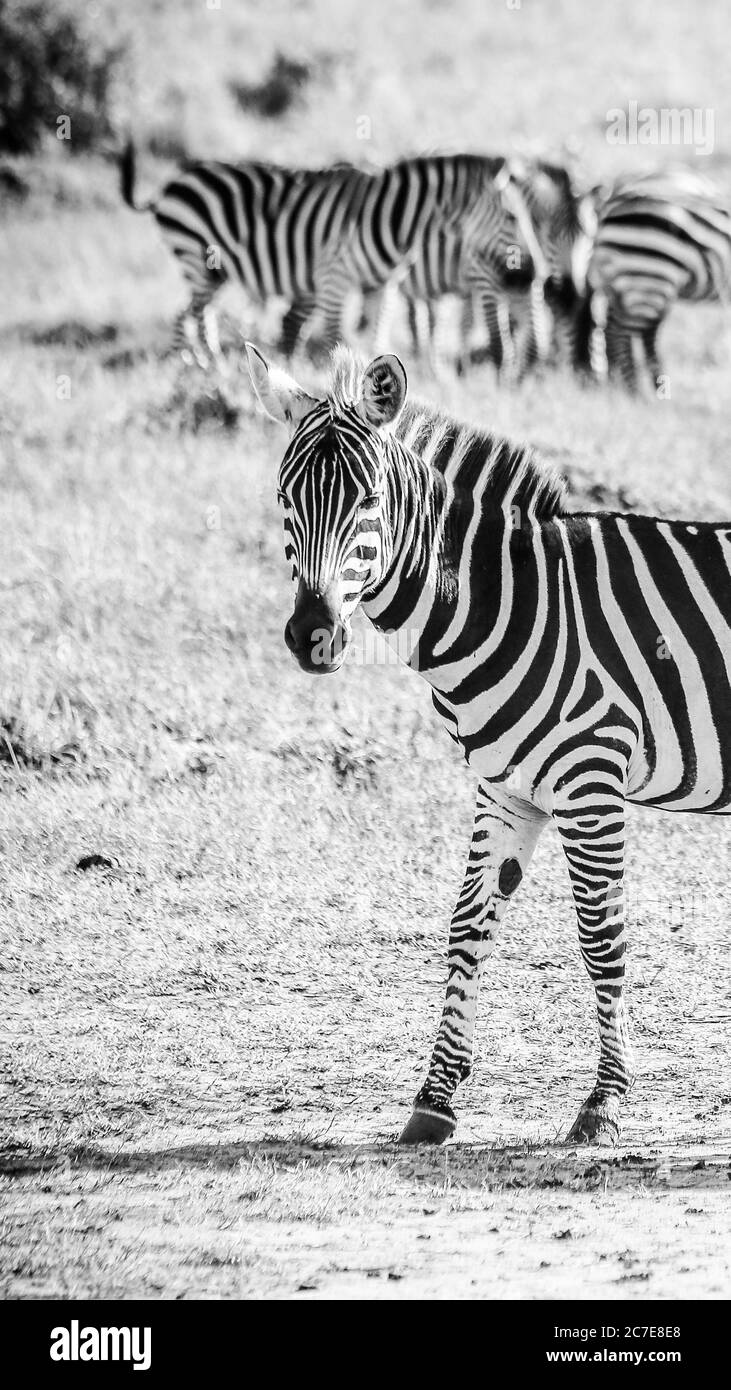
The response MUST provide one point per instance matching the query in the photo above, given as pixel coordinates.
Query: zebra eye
(371, 500)
(282, 497)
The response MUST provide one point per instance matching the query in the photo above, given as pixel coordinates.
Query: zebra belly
(704, 794)
(706, 787)
(669, 769)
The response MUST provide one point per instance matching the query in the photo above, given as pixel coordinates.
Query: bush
(279, 90)
(52, 65)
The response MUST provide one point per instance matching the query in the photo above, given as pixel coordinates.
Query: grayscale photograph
(365, 665)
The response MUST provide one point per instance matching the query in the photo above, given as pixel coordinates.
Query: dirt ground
(204, 1094)
(293, 1220)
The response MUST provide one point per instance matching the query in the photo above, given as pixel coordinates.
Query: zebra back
(269, 227)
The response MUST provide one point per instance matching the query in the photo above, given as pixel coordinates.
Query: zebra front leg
(502, 348)
(504, 835)
(591, 827)
(535, 342)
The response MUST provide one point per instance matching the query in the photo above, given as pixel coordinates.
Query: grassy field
(214, 1032)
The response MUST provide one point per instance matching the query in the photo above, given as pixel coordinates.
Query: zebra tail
(128, 174)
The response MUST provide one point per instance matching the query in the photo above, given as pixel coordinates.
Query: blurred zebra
(581, 662)
(564, 225)
(444, 268)
(311, 236)
(275, 231)
(660, 237)
(542, 247)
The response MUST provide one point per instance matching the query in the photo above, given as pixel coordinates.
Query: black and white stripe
(541, 246)
(659, 238)
(311, 236)
(581, 662)
(275, 231)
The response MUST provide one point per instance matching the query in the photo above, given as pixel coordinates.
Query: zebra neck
(412, 540)
(475, 533)
(423, 593)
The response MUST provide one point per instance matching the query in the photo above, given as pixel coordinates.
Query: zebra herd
(581, 661)
(537, 270)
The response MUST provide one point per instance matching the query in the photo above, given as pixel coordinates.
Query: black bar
(194, 1339)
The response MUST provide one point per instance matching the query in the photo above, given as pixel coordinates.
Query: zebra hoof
(595, 1124)
(429, 1126)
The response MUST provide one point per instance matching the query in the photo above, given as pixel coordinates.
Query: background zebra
(580, 661)
(540, 250)
(659, 237)
(445, 271)
(277, 232)
(311, 236)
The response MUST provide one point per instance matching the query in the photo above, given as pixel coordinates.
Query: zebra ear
(281, 397)
(384, 390)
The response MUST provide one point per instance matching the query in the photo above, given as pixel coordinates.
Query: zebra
(564, 226)
(311, 236)
(276, 231)
(542, 250)
(444, 268)
(540, 632)
(659, 237)
(461, 245)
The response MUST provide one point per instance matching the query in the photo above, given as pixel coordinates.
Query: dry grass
(212, 1039)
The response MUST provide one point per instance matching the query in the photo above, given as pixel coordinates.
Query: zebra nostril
(290, 637)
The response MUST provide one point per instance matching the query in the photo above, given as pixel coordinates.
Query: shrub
(279, 90)
(52, 65)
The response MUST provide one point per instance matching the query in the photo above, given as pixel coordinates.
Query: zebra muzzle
(316, 634)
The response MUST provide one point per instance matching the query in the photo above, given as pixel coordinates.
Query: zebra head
(333, 490)
(558, 218)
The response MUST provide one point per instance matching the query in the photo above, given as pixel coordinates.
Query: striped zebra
(311, 236)
(274, 231)
(581, 661)
(541, 249)
(443, 269)
(659, 238)
(563, 225)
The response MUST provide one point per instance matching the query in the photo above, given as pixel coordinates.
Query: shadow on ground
(469, 1165)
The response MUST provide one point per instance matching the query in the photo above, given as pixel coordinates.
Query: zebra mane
(346, 381)
(506, 474)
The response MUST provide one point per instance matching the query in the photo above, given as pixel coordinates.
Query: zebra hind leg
(209, 335)
(293, 322)
(196, 332)
(591, 824)
(386, 300)
(332, 288)
(654, 366)
(504, 836)
(429, 338)
(620, 355)
(186, 340)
